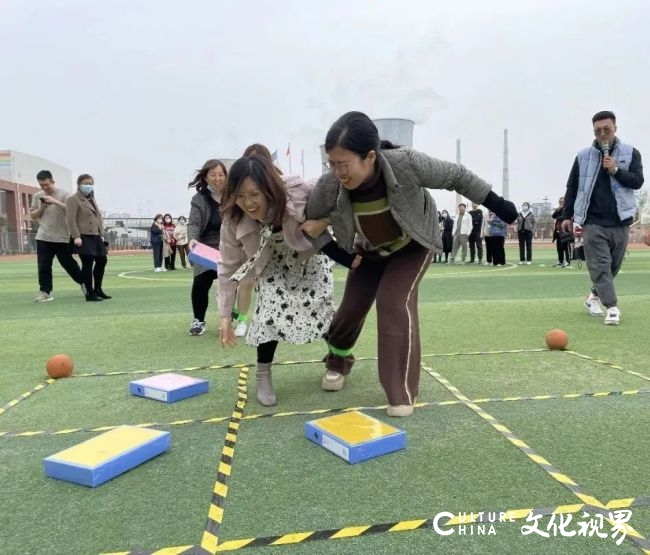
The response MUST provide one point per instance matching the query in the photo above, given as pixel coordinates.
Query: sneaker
(197, 327)
(157, 269)
(521, 263)
(558, 265)
(566, 264)
(240, 330)
(399, 410)
(528, 263)
(592, 304)
(333, 381)
(43, 297)
(84, 291)
(613, 317)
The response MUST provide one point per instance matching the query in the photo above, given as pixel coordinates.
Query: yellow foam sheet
(354, 427)
(96, 451)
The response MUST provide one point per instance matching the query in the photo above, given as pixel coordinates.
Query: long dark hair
(262, 172)
(356, 132)
(199, 182)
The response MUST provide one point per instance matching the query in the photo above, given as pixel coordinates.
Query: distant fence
(25, 243)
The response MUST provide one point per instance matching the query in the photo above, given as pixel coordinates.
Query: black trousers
(498, 250)
(183, 250)
(45, 253)
(475, 247)
(266, 352)
(525, 244)
(170, 261)
(488, 249)
(157, 254)
(201, 293)
(92, 270)
(562, 251)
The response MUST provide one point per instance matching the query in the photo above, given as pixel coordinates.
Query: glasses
(338, 167)
(602, 130)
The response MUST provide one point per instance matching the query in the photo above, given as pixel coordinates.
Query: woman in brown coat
(84, 221)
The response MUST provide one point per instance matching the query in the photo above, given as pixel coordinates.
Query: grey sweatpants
(604, 250)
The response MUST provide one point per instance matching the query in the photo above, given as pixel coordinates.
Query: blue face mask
(86, 188)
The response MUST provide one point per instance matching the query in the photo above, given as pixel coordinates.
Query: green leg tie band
(339, 352)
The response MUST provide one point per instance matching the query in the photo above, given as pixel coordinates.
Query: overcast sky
(141, 93)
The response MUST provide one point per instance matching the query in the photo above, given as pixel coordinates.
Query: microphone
(605, 148)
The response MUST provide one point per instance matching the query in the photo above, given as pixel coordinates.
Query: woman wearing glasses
(261, 238)
(376, 202)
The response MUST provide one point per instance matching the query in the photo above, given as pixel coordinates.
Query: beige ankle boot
(263, 386)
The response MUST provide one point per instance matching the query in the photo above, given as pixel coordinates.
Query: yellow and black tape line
(540, 461)
(401, 526)
(210, 537)
(284, 363)
(4, 408)
(217, 419)
(609, 365)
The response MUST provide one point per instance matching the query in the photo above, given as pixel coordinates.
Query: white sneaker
(528, 263)
(613, 317)
(592, 304)
(240, 330)
(43, 297)
(197, 328)
(333, 381)
(521, 263)
(399, 410)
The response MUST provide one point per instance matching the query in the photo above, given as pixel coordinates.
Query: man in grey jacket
(52, 237)
(600, 198)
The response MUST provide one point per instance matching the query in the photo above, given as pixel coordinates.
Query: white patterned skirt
(294, 300)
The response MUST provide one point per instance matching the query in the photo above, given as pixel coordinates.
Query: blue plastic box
(205, 256)
(97, 460)
(169, 388)
(354, 436)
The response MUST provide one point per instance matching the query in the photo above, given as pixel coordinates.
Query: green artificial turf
(282, 483)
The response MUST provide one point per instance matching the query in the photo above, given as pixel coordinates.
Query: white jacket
(465, 226)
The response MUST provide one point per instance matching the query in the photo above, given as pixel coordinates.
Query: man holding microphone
(600, 198)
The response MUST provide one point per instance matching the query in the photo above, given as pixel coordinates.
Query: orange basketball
(59, 366)
(557, 340)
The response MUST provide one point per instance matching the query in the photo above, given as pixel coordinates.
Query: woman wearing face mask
(169, 243)
(180, 236)
(261, 237)
(525, 229)
(447, 228)
(84, 221)
(376, 193)
(156, 239)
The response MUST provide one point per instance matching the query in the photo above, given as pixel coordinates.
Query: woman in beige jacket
(84, 221)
